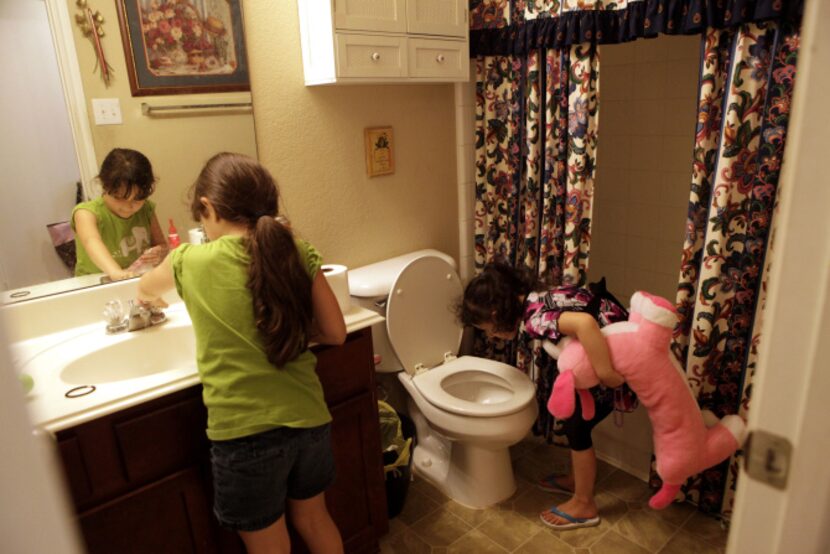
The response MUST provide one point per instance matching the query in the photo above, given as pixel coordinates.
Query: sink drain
(77, 392)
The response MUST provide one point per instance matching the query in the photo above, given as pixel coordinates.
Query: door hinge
(767, 458)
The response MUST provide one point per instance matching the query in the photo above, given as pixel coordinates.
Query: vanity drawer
(161, 441)
(346, 370)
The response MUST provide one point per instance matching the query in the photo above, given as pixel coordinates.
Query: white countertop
(44, 357)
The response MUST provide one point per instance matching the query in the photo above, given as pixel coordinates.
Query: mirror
(49, 148)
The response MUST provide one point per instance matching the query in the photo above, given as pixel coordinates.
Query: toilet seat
(420, 318)
(498, 389)
(425, 335)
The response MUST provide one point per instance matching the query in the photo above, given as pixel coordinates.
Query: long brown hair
(243, 191)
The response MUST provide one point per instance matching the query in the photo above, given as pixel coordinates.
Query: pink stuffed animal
(686, 440)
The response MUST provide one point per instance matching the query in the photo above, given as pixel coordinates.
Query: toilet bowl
(467, 410)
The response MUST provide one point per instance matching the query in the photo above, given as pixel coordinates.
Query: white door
(791, 396)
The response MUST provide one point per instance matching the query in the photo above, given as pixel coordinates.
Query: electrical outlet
(107, 111)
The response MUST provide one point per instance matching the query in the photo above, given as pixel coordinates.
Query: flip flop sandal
(573, 522)
(549, 484)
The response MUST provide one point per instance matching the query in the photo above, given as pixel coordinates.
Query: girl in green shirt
(256, 298)
(119, 231)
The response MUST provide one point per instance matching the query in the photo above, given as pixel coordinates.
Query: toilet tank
(369, 286)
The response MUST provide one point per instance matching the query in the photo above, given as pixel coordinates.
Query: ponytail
(281, 290)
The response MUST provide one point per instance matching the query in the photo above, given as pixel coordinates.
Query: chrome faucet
(138, 317)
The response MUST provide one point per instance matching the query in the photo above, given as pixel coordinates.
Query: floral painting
(183, 46)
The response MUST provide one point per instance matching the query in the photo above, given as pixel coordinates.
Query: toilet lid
(420, 317)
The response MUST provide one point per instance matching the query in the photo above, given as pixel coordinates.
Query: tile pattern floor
(431, 523)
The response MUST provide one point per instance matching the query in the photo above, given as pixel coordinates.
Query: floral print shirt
(542, 310)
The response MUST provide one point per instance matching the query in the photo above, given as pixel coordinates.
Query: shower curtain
(537, 99)
(746, 84)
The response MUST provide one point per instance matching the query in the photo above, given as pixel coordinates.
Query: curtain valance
(610, 22)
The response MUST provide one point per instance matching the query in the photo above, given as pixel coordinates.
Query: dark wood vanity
(140, 478)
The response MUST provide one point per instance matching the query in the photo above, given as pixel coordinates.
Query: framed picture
(379, 151)
(183, 46)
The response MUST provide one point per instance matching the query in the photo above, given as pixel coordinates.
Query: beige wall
(648, 92)
(177, 145)
(311, 138)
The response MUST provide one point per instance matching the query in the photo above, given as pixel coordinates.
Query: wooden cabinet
(384, 41)
(140, 479)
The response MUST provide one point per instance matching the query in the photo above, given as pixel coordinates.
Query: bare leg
(312, 520)
(271, 540)
(582, 503)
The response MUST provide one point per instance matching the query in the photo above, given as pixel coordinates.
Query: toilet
(467, 410)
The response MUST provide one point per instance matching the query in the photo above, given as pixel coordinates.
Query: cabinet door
(357, 499)
(437, 17)
(171, 515)
(370, 15)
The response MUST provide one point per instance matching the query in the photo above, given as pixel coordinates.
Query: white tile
(676, 188)
(680, 117)
(673, 223)
(614, 119)
(650, 80)
(464, 164)
(611, 186)
(648, 50)
(616, 82)
(646, 152)
(669, 253)
(647, 117)
(615, 152)
(643, 220)
(608, 247)
(644, 185)
(641, 253)
(677, 153)
(682, 79)
(616, 54)
(682, 47)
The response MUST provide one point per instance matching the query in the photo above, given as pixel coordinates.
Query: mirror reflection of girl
(502, 301)
(118, 233)
(256, 297)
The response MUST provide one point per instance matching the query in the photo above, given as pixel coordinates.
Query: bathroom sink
(131, 356)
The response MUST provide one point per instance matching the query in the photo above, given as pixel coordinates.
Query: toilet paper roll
(338, 278)
(196, 236)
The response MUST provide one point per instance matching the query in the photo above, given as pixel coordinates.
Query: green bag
(392, 439)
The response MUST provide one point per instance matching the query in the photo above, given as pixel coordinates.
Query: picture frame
(184, 46)
(379, 145)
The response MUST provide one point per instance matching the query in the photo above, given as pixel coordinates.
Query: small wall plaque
(379, 151)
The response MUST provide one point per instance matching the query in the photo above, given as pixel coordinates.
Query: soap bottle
(173, 239)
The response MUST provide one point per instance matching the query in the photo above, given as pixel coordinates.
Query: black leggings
(578, 430)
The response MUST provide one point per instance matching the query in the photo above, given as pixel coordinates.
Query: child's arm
(86, 229)
(584, 328)
(156, 282)
(329, 327)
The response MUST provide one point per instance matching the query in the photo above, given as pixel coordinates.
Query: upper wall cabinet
(384, 41)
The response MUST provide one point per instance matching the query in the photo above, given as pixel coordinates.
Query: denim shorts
(254, 475)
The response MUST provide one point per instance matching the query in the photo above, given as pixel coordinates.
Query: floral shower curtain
(746, 86)
(536, 120)
(537, 82)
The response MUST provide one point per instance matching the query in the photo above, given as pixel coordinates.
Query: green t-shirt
(243, 392)
(125, 239)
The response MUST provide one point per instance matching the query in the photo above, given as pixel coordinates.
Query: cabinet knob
(439, 58)
(375, 56)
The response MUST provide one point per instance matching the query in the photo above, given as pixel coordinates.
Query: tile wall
(648, 98)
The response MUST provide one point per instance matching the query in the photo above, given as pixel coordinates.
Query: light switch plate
(107, 111)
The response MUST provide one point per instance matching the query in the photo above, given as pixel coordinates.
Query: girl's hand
(152, 256)
(155, 303)
(121, 274)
